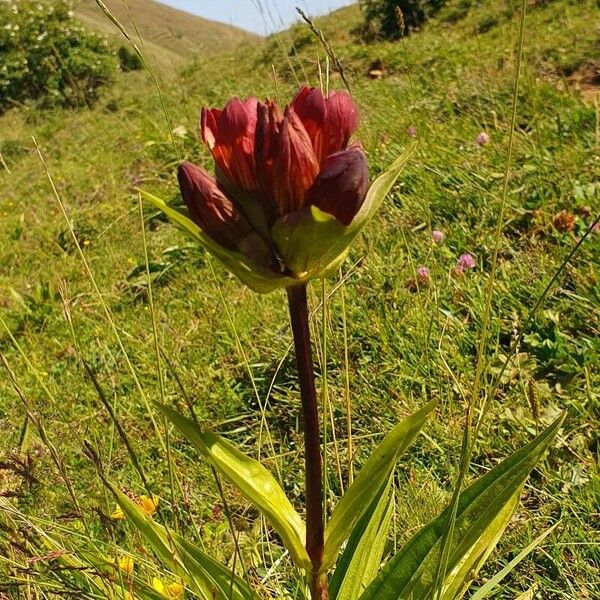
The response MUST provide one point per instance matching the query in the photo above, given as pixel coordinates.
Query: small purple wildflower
(482, 139)
(411, 131)
(423, 273)
(438, 236)
(465, 262)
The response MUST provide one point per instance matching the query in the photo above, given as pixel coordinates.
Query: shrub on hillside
(49, 57)
(129, 60)
(383, 20)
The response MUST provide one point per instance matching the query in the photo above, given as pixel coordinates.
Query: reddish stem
(312, 442)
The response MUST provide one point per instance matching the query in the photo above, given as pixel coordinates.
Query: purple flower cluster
(438, 236)
(482, 139)
(465, 263)
(423, 273)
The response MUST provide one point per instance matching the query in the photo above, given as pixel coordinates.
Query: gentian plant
(291, 193)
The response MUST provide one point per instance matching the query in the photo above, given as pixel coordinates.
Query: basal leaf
(484, 509)
(252, 479)
(361, 559)
(369, 482)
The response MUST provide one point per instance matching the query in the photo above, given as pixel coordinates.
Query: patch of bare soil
(586, 80)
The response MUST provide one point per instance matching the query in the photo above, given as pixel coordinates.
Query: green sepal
(256, 279)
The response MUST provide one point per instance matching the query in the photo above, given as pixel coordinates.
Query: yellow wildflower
(125, 564)
(148, 505)
(171, 591)
(117, 514)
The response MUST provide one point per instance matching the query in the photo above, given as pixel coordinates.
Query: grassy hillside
(169, 33)
(230, 348)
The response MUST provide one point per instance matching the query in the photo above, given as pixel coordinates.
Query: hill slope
(166, 30)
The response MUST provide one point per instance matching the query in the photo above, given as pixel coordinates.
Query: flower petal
(230, 135)
(208, 125)
(210, 208)
(329, 120)
(310, 106)
(342, 184)
(268, 126)
(295, 164)
(342, 122)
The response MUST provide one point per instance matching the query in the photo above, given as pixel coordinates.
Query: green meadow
(105, 304)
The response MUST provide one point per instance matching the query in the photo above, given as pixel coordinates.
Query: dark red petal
(310, 106)
(329, 120)
(210, 208)
(208, 126)
(268, 125)
(342, 184)
(237, 120)
(230, 136)
(295, 165)
(342, 122)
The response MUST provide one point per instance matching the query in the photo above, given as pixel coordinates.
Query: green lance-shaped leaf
(252, 479)
(484, 510)
(201, 573)
(369, 482)
(359, 563)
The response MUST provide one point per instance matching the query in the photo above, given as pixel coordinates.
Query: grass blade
(490, 586)
(360, 562)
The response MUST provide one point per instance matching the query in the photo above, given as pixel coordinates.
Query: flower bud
(210, 208)
(342, 184)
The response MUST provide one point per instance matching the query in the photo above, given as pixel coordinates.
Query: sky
(277, 14)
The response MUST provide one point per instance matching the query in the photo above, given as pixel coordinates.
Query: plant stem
(312, 443)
